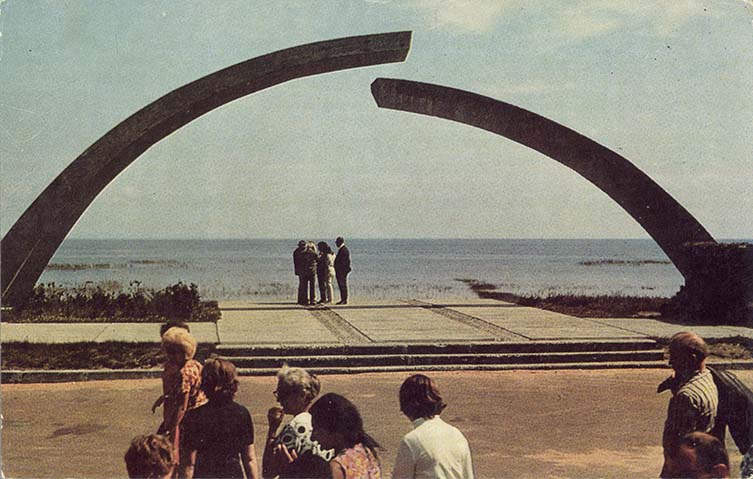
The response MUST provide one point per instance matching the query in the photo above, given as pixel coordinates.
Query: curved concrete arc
(668, 223)
(30, 243)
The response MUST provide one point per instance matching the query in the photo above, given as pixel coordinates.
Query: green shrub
(178, 301)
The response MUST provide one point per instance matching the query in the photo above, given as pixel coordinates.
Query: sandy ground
(603, 423)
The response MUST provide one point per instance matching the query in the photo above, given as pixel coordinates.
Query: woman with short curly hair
(181, 381)
(292, 452)
(218, 436)
(433, 449)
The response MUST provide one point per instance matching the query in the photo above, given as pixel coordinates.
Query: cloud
(474, 16)
(591, 18)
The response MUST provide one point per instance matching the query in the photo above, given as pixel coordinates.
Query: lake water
(382, 268)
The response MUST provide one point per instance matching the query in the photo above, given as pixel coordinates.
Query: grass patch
(89, 355)
(601, 306)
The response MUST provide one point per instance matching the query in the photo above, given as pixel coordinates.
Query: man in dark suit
(342, 268)
(298, 267)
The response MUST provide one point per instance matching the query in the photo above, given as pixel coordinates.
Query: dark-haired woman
(337, 424)
(325, 272)
(218, 438)
(433, 449)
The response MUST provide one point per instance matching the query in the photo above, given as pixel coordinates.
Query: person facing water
(337, 425)
(219, 436)
(308, 273)
(292, 452)
(433, 449)
(181, 381)
(298, 269)
(150, 457)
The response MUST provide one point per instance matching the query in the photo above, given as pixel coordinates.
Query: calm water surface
(382, 269)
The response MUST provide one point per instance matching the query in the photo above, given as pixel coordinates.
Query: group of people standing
(207, 434)
(318, 262)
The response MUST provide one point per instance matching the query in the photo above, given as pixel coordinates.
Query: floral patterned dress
(178, 381)
(359, 462)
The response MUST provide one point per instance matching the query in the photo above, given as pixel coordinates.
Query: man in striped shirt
(695, 399)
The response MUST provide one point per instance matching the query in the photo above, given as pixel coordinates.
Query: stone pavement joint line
(499, 333)
(337, 325)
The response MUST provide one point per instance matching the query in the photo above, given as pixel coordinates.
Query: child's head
(150, 457)
(178, 344)
(219, 380)
(173, 324)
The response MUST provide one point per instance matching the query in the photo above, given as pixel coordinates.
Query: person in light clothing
(433, 449)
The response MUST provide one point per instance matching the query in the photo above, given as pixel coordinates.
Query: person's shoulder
(197, 415)
(446, 428)
(303, 419)
(238, 407)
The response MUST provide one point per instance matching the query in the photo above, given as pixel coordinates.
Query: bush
(179, 301)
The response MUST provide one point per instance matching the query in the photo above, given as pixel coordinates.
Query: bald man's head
(687, 352)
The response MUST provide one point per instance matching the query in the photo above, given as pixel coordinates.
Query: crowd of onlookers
(206, 434)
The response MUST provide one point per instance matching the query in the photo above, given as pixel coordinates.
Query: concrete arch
(33, 239)
(665, 220)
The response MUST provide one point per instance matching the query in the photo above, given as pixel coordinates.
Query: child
(162, 330)
(181, 381)
(219, 436)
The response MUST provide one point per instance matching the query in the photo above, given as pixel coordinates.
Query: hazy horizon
(356, 238)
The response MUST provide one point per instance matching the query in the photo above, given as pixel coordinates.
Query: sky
(668, 85)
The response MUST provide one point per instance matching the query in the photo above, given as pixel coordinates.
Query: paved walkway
(374, 322)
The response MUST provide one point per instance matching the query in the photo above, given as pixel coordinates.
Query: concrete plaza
(574, 423)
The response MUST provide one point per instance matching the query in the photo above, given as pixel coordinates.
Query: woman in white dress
(325, 272)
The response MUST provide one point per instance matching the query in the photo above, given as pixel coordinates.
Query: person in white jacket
(433, 449)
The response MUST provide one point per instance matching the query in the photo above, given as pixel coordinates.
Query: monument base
(720, 290)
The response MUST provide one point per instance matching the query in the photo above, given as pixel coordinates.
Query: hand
(666, 384)
(157, 403)
(274, 417)
(285, 455)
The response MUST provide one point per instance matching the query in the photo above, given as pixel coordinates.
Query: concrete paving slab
(53, 333)
(96, 332)
(149, 332)
(288, 326)
(410, 324)
(659, 329)
(449, 303)
(240, 304)
(537, 324)
(263, 305)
